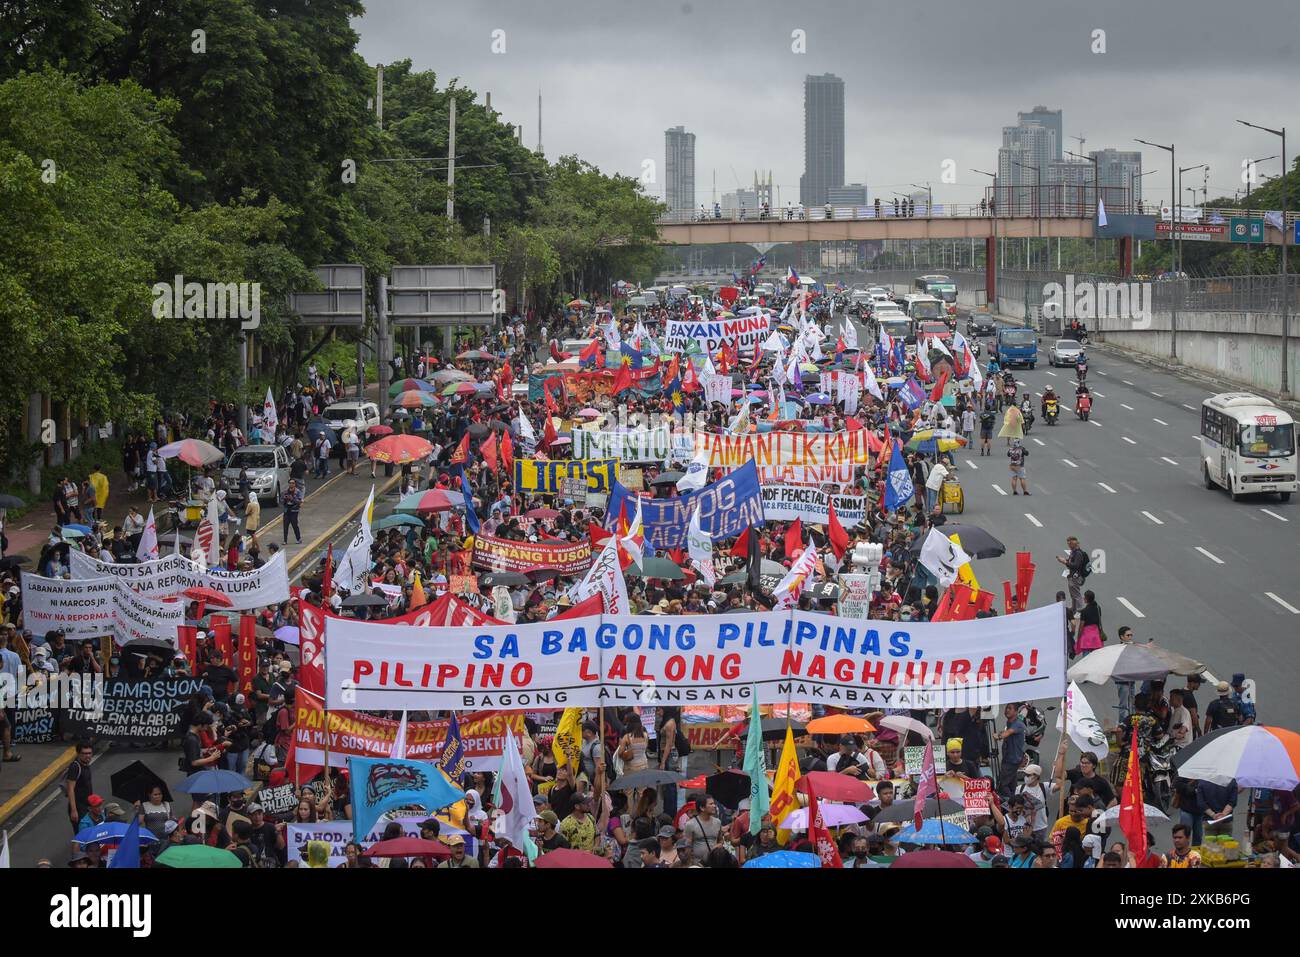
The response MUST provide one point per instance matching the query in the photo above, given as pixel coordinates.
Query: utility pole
(539, 122)
(1174, 199)
(451, 162)
(383, 350)
(379, 95)
(1286, 282)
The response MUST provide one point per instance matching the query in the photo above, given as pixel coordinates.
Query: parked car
(267, 466)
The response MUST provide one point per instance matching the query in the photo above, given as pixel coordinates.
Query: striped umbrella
(193, 452)
(431, 500)
(1256, 756)
(399, 449)
(409, 385)
(415, 399)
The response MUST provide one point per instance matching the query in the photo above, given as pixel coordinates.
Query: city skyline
(610, 102)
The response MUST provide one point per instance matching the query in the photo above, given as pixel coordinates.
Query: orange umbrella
(839, 724)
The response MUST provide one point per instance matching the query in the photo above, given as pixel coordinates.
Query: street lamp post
(1286, 389)
(1250, 255)
(1177, 211)
(1173, 201)
(1037, 207)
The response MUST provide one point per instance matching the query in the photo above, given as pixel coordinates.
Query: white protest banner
(641, 445)
(807, 475)
(785, 503)
(80, 608)
(268, 585)
(604, 578)
(975, 792)
(135, 616)
(855, 595)
(338, 835)
(355, 562)
(697, 659)
(717, 388)
(743, 333)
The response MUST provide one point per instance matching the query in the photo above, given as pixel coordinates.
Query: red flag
(595, 605)
(552, 407)
(937, 392)
(852, 424)
(690, 381)
(673, 371)
(326, 578)
(489, 451)
(599, 535)
(1024, 578)
(550, 435)
(187, 641)
(943, 610)
(591, 352)
(461, 455)
(622, 380)
(1132, 812)
(794, 538)
(741, 548)
(557, 355)
(219, 626)
(247, 653)
(507, 374)
(836, 533)
(819, 835)
(507, 451)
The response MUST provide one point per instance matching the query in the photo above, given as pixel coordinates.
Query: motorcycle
(1027, 416)
(1159, 771)
(1050, 412)
(1083, 406)
(1081, 371)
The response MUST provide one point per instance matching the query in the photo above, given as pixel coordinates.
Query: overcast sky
(925, 80)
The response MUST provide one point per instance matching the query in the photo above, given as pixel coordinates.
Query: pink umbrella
(193, 452)
(833, 815)
(589, 413)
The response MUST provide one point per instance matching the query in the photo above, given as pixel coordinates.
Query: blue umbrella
(785, 859)
(109, 832)
(214, 781)
(935, 831)
(818, 398)
(85, 530)
(288, 634)
(317, 427)
(393, 521)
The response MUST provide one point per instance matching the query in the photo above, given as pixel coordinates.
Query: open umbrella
(214, 781)
(650, 778)
(196, 856)
(833, 815)
(1130, 661)
(1254, 755)
(10, 562)
(565, 858)
(11, 501)
(365, 600)
(476, 355)
(578, 303)
(287, 634)
(975, 542)
(415, 399)
(409, 847)
(831, 786)
(901, 811)
(934, 831)
(1150, 811)
(110, 832)
(936, 859)
(839, 724)
(542, 514)
(399, 449)
(79, 530)
(667, 478)
(136, 780)
(818, 398)
(784, 859)
(766, 567)
(209, 596)
(379, 431)
(193, 452)
(431, 500)
(149, 646)
(588, 413)
(318, 427)
(509, 579)
(448, 376)
(409, 385)
(396, 521)
(459, 388)
(655, 567)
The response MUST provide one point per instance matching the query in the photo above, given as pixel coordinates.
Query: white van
(1247, 445)
(364, 414)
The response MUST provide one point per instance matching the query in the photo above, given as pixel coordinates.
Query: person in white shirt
(934, 484)
(1180, 719)
(859, 764)
(133, 524)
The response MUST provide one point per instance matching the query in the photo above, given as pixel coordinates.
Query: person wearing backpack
(1078, 567)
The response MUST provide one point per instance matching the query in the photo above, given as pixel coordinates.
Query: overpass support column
(1125, 244)
(991, 271)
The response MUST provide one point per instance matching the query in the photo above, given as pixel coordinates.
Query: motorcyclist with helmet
(1051, 405)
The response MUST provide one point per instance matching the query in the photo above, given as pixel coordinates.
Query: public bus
(1247, 445)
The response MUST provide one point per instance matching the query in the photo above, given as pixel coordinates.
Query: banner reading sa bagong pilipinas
(698, 660)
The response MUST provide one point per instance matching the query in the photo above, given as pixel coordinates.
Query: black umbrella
(975, 542)
(903, 811)
(728, 787)
(667, 478)
(649, 778)
(774, 728)
(318, 427)
(150, 646)
(478, 430)
(11, 501)
(509, 579)
(364, 600)
(136, 780)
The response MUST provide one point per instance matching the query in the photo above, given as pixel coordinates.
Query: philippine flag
(791, 276)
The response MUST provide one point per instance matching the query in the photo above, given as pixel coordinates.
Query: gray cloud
(924, 82)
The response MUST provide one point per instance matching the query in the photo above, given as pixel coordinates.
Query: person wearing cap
(1039, 795)
(1223, 711)
(1244, 697)
(1023, 855)
(266, 838)
(579, 828)
(548, 837)
(458, 857)
(986, 851)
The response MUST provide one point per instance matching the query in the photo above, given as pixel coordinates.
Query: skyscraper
(1121, 169)
(1023, 161)
(1051, 119)
(679, 170)
(823, 138)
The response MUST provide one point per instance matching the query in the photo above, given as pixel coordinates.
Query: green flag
(756, 767)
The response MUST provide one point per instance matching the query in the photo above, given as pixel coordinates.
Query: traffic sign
(1246, 229)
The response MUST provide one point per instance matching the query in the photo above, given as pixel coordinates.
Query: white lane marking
(1041, 442)
(1275, 515)
(1287, 605)
(1188, 407)
(998, 488)
(1128, 440)
(1099, 372)
(1153, 518)
(1049, 372)
(1108, 488)
(1126, 382)
(1129, 487)
(1129, 605)
(1037, 523)
(27, 526)
(1161, 421)
(1100, 395)
(1069, 463)
(1126, 406)
(1079, 518)
(972, 465)
(1157, 395)
(1165, 458)
(1210, 555)
(1095, 422)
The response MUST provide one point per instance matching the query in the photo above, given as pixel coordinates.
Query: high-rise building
(1051, 119)
(850, 194)
(1023, 161)
(1121, 169)
(679, 170)
(823, 138)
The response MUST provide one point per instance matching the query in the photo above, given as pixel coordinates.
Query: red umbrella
(543, 513)
(208, 596)
(831, 786)
(567, 859)
(399, 449)
(409, 847)
(380, 430)
(943, 859)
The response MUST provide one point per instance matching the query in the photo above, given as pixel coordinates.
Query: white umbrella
(1152, 812)
(833, 815)
(1131, 662)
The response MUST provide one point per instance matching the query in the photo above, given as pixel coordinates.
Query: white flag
(632, 541)
(923, 356)
(1101, 212)
(942, 557)
(147, 550)
(213, 543)
(526, 430)
(399, 740)
(1084, 729)
(850, 334)
(4, 850)
(269, 417)
(696, 473)
(700, 548)
(790, 587)
(355, 563)
(869, 381)
(605, 578)
(513, 795)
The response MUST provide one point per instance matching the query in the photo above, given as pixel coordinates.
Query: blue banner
(727, 507)
(381, 784)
